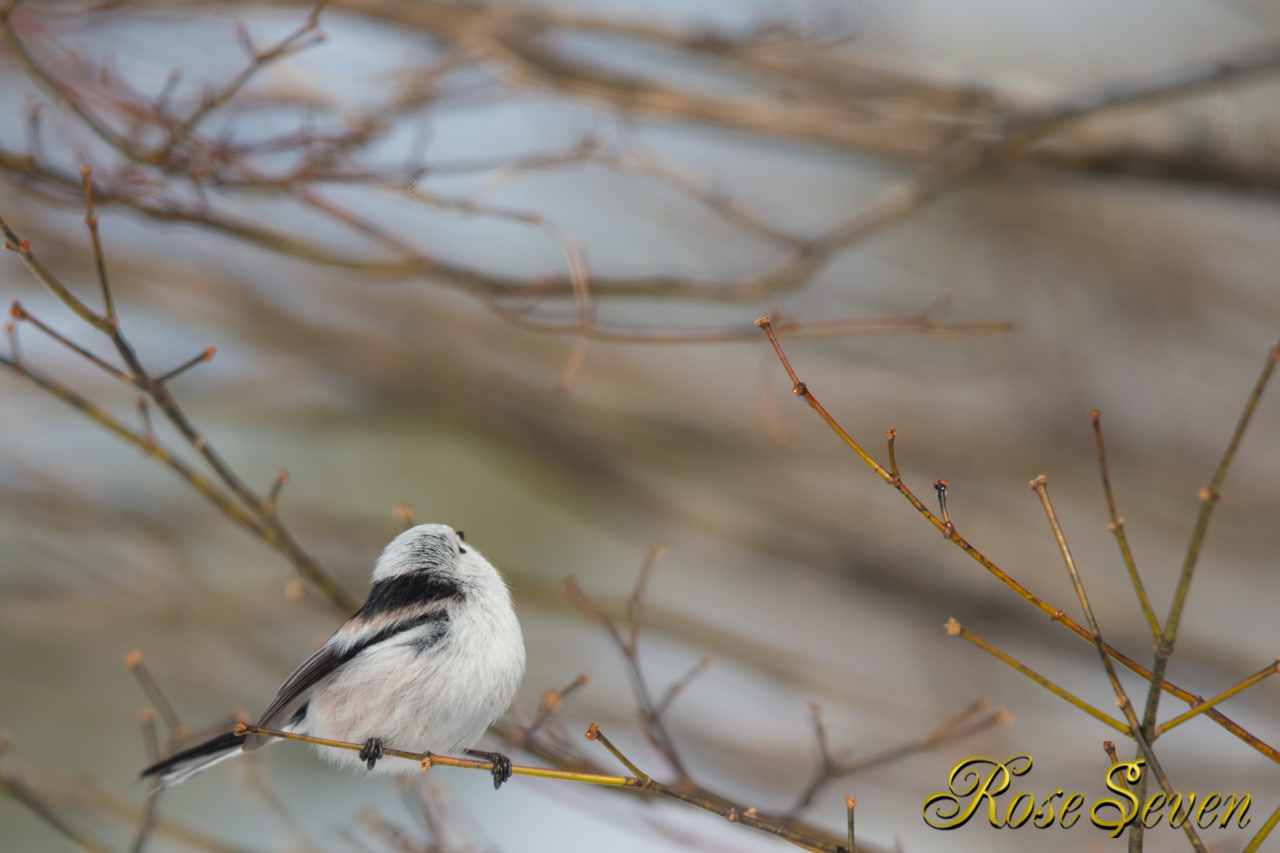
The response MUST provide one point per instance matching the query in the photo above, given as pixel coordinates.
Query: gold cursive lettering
(1131, 772)
(1175, 803)
(965, 781)
(1044, 814)
(979, 779)
(1154, 803)
(1072, 805)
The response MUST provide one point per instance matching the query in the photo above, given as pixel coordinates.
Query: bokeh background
(1145, 287)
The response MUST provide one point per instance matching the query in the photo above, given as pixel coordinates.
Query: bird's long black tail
(182, 766)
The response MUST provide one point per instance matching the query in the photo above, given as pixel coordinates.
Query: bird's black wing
(340, 650)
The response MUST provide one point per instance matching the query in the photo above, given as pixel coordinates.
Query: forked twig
(651, 712)
(1116, 526)
(830, 768)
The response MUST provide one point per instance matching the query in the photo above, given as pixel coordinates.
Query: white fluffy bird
(427, 664)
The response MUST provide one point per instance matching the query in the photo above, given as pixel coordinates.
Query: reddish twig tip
(132, 659)
(593, 731)
(953, 627)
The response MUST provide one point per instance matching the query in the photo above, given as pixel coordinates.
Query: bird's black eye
(462, 537)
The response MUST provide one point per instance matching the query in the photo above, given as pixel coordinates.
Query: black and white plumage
(427, 664)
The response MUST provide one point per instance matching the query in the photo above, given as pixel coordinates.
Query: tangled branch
(1143, 732)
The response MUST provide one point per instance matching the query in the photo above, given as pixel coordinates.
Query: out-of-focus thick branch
(174, 170)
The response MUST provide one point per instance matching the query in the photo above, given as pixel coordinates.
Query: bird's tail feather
(182, 766)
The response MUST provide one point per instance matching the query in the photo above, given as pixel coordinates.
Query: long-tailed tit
(428, 663)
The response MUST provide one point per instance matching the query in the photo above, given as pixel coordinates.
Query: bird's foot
(371, 751)
(501, 765)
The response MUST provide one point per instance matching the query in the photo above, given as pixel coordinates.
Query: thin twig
(955, 629)
(135, 664)
(91, 221)
(207, 355)
(1116, 526)
(891, 436)
(1203, 706)
(678, 686)
(20, 313)
(551, 702)
(850, 804)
